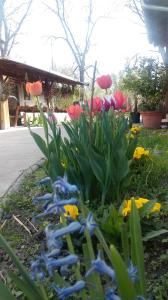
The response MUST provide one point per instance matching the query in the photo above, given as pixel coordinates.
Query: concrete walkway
(18, 152)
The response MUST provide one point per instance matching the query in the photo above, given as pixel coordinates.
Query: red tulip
(74, 111)
(34, 89)
(97, 104)
(120, 99)
(104, 81)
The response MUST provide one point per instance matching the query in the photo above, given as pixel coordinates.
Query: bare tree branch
(79, 52)
(136, 8)
(9, 33)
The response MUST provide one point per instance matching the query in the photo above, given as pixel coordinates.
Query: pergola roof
(22, 72)
(156, 19)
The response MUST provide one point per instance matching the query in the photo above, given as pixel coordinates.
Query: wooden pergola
(20, 73)
(23, 72)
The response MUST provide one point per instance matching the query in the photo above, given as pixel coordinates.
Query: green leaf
(23, 286)
(154, 234)
(40, 143)
(20, 267)
(137, 253)
(92, 279)
(146, 208)
(44, 121)
(125, 285)
(97, 163)
(5, 293)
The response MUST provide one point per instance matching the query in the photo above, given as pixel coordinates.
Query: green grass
(151, 175)
(18, 208)
(150, 180)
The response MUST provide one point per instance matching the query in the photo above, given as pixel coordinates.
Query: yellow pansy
(135, 130)
(139, 152)
(156, 207)
(71, 211)
(130, 136)
(139, 203)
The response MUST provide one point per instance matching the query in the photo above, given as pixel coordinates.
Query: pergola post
(4, 108)
(4, 115)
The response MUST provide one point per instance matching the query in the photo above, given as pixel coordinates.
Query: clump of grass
(150, 176)
(15, 222)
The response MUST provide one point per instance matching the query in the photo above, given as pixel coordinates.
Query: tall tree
(79, 49)
(12, 17)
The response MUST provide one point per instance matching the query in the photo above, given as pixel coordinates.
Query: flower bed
(101, 190)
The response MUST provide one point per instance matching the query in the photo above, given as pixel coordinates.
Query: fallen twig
(21, 223)
(32, 225)
(3, 224)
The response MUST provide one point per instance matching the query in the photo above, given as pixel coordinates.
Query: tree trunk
(81, 77)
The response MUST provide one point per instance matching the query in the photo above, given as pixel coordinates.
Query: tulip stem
(72, 250)
(91, 101)
(91, 253)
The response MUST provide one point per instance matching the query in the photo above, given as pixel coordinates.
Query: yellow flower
(135, 130)
(139, 203)
(143, 200)
(130, 136)
(139, 152)
(71, 210)
(156, 207)
(126, 208)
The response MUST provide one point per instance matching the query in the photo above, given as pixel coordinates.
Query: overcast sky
(115, 39)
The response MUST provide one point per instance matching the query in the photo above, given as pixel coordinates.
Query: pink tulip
(104, 81)
(74, 111)
(97, 104)
(120, 99)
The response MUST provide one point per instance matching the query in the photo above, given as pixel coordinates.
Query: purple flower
(51, 117)
(132, 272)
(72, 227)
(64, 270)
(37, 270)
(110, 294)
(113, 102)
(51, 263)
(101, 267)
(89, 224)
(45, 181)
(46, 197)
(71, 201)
(57, 207)
(61, 185)
(64, 293)
(51, 209)
(107, 102)
(54, 245)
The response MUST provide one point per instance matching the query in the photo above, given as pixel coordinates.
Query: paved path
(18, 152)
